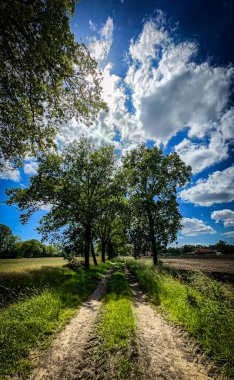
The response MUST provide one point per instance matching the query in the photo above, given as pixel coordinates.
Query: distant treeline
(12, 247)
(221, 246)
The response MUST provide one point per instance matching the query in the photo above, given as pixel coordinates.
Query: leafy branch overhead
(46, 77)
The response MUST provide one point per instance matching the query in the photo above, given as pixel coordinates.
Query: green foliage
(200, 305)
(7, 242)
(46, 77)
(34, 248)
(224, 248)
(117, 329)
(76, 184)
(29, 248)
(153, 179)
(55, 295)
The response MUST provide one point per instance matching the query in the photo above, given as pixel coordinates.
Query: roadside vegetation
(116, 331)
(202, 306)
(47, 299)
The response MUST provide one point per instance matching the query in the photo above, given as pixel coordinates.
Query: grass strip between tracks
(116, 331)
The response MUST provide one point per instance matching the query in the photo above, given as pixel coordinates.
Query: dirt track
(64, 359)
(163, 353)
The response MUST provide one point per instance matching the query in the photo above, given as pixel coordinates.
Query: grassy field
(18, 265)
(35, 304)
(198, 303)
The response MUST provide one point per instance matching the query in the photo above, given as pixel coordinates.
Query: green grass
(201, 305)
(116, 330)
(44, 306)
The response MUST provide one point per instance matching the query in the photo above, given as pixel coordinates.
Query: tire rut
(64, 359)
(164, 354)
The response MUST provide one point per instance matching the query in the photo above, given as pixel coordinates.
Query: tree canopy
(92, 198)
(7, 241)
(46, 77)
(153, 179)
(75, 184)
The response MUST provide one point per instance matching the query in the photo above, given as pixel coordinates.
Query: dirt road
(64, 359)
(163, 352)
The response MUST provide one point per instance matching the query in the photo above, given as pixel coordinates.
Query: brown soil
(65, 358)
(164, 354)
(205, 264)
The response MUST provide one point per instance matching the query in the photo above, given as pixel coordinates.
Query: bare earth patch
(63, 360)
(164, 353)
(204, 264)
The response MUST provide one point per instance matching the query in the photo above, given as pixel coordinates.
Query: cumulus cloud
(31, 168)
(195, 227)
(229, 234)
(164, 91)
(202, 155)
(170, 91)
(225, 216)
(217, 188)
(9, 173)
(100, 46)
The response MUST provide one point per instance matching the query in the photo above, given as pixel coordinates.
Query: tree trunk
(153, 240)
(103, 251)
(93, 254)
(87, 244)
(110, 250)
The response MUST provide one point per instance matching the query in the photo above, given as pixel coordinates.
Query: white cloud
(202, 155)
(92, 26)
(163, 92)
(229, 234)
(170, 92)
(100, 46)
(195, 227)
(226, 216)
(10, 173)
(217, 188)
(46, 207)
(31, 168)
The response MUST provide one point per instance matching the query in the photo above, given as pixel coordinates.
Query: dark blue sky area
(209, 22)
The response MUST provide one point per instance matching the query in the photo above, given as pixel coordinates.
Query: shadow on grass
(17, 286)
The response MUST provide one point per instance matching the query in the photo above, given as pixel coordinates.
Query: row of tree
(12, 247)
(221, 246)
(97, 197)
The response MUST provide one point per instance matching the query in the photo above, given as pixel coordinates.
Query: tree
(30, 248)
(224, 247)
(75, 184)
(7, 242)
(138, 234)
(109, 222)
(46, 77)
(153, 179)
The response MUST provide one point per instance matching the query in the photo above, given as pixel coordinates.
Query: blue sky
(168, 69)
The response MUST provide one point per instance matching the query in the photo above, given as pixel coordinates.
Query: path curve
(63, 360)
(163, 353)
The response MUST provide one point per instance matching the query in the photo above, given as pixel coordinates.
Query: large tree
(75, 184)
(8, 242)
(46, 77)
(153, 179)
